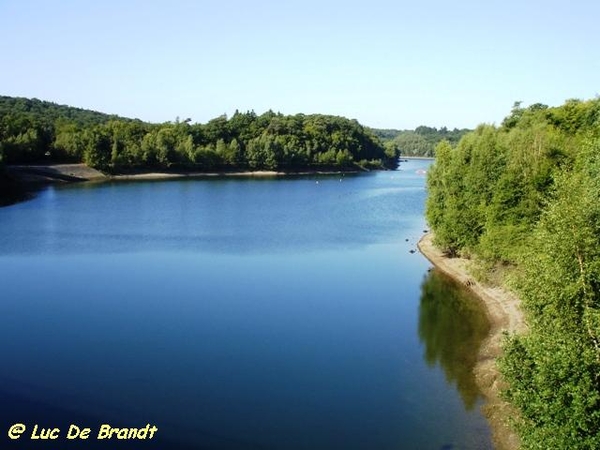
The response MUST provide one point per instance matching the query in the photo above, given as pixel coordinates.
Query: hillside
(421, 141)
(50, 112)
(34, 131)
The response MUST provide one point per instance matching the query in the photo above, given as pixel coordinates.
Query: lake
(236, 313)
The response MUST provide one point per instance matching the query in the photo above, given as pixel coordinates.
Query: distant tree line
(36, 131)
(421, 141)
(523, 201)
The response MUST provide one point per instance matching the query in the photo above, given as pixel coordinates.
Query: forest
(421, 141)
(35, 131)
(522, 201)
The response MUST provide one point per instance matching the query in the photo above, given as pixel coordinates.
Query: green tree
(69, 143)
(33, 130)
(97, 150)
(522, 199)
(554, 371)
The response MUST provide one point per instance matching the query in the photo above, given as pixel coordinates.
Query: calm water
(236, 314)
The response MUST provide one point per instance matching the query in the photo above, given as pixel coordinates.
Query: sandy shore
(504, 313)
(81, 172)
(428, 158)
(255, 173)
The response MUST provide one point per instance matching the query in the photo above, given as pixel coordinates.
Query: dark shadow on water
(12, 192)
(22, 409)
(452, 326)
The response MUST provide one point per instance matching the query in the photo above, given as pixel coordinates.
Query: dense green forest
(523, 201)
(421, 141)
(37, 131)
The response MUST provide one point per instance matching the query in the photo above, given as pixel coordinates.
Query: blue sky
(389, 64)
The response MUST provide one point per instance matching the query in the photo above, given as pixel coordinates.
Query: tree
(97, 150)
(522, 199)
(32, 130)
(554, 371)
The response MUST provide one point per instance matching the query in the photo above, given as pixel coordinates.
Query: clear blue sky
(389, 64)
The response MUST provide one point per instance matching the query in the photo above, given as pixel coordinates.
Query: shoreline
(428, 158)
(504, 314)
(40, 174)
(20, 183)
(65, 173)
(249, 174)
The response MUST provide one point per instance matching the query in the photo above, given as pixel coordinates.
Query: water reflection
(452, 326)
(12, 192)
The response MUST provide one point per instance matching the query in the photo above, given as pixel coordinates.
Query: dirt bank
(53, 173)
(255, 173)
(20, 182)
(504, 313)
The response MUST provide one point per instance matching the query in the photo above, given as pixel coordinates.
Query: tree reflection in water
(452, 326)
